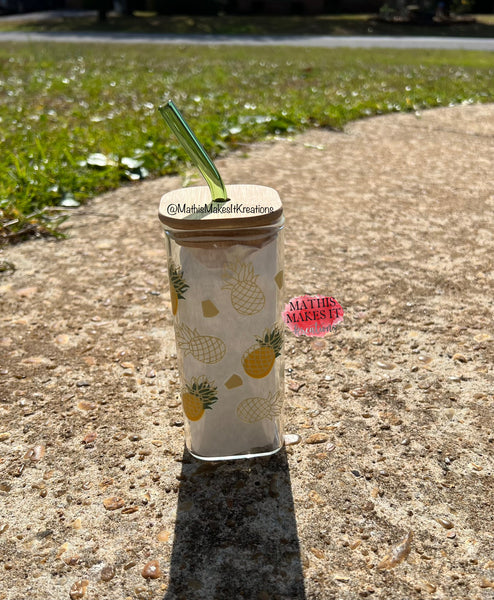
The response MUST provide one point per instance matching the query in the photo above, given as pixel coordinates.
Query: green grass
(60, 104)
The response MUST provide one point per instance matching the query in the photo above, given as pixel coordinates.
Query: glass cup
(225, 266)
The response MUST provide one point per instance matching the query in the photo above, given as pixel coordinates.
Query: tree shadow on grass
(235, 532)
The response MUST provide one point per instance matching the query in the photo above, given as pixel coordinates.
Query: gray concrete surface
(319, 41)
(388, 495)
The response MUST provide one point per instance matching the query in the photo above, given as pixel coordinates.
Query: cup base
(255, 454)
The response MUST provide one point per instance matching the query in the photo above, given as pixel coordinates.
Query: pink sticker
(314, 316)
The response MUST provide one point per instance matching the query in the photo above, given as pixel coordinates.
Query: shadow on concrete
(235, 532)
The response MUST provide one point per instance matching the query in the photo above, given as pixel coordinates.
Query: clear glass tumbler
(225, 266)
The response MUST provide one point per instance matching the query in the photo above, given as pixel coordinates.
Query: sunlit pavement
(314, 41)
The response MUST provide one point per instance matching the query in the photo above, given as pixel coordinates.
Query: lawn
(77, 120)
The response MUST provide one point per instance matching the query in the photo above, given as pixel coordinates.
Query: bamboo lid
(248, 206)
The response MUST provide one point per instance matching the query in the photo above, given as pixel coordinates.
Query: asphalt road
(320, 41)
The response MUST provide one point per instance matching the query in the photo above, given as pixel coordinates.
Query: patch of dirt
(393, 217)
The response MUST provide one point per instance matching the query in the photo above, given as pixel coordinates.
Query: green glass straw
(194, 150)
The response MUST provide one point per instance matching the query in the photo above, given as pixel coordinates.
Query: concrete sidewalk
(314, 41)
(389, 494)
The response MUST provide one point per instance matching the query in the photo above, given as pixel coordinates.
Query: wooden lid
(248, 206)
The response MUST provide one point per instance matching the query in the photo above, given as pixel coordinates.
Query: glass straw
(194, 150)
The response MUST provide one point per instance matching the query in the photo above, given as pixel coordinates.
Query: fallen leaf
(317, 438)
(397, 554)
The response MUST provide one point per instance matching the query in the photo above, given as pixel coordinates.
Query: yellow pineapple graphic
(178, 287)
(246, 296)
(252, 410)
(198, 395)
(259, 359)
(204, 348)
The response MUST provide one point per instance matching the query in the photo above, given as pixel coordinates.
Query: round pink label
(313, 316)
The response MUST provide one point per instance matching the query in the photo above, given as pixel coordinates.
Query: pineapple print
(204, 348)
(246, 296)
(252, 410)
(259, 359)
(198, 396)
(178, 287)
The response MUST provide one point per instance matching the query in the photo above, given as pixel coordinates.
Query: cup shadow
(235, 532)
